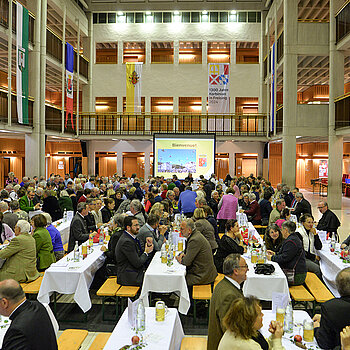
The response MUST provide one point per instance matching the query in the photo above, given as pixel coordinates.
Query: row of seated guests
(234, 321)
(28, 252)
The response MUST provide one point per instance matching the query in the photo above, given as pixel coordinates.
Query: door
(248, 166)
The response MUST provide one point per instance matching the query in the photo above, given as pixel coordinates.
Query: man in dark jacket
(329, 221)
(51, 205)
(131, 260)
(27, 317)
(303, 206)
(334, 314)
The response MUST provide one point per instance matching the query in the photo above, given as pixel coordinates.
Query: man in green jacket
(26, 202)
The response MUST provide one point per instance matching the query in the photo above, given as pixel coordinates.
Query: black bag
(264, 269)
(290, 273)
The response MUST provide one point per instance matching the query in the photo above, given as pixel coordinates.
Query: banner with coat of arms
(22, 30)
(218, 88)
(133, 87)
(69, 83)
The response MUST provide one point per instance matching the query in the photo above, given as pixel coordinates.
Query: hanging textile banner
(218, 88)
(69, 83)
(22, 63)
(133, 87)
(273, 87)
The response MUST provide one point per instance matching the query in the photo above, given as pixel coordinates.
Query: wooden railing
(342, 19)
(147, 124)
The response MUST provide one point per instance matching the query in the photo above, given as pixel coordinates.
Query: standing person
(44, 248)
(187, 202)
(329, 221)
(227, 208)
(235, 270)
(265, 208)
(31, 326)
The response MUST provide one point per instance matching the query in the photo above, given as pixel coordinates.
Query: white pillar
(91, 157)
(148, 51)
(120, 163)
(176, 52)
(335, 143)
(204, 52)
(147, 165)
(120, 51)
(290, 18)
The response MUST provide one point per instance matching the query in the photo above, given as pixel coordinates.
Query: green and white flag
(22, 64)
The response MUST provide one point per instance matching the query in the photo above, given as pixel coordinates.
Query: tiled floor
(95, 325)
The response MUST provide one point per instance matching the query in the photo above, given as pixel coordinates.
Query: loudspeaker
(83, 148)
(266, 150)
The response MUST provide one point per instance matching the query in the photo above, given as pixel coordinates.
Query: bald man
(31, 327)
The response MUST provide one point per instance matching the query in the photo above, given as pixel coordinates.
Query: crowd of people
(140, 214)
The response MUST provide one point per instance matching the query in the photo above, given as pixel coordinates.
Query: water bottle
(288, 320)
(65, 215)
(332, 247)
(76, 252)
(101, 237)
(140, 317)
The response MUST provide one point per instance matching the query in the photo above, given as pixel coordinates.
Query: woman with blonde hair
(242, 322)
(205, 227)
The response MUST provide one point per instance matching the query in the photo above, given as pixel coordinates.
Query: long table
(299, 317)
(63, 227)
(161, 279)
(165, 335)
(69, 277)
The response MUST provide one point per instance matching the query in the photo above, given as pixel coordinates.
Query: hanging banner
(218, 88)
(69, 84)
(273, 88)
(22, 63)
(133, 87)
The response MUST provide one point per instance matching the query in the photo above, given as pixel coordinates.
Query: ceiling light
(233, 12)
(120, 13)
(204, 12)
(176, 13)
(148, 13)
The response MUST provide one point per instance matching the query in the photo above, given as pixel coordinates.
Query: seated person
(265, 208)
(253, 212)
(26, 202)
(345, 338)
(55, 237)
(197, 257)
(334, 314)
(273, 238)
(291, 256)
(152, 229)
(346, 243)
(242, 322)
(78, 231)
(230, 242)
(6, 233)
(311, 242)
(204, 227)
(131, 260)
(211, 218)
(285, 216)
(89, 217)
(244, 201)
(43, 243)
(108, 210)
(20, 256)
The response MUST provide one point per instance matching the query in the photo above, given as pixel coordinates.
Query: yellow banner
(133, 87)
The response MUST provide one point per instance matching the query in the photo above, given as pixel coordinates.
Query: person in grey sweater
(152, 229)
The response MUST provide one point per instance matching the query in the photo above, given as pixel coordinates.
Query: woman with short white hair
(55, 238)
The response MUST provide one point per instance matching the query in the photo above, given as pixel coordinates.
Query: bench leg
(194, 312)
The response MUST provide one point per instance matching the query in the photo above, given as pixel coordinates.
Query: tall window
(190, 52)
(219, 52)
(247, 52)
(162, 52)
(134, 52)
(107, 52)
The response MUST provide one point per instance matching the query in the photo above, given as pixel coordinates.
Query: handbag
(264, 269)
(290, 273)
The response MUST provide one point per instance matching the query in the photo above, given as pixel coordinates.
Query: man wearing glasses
(235, 270)
(329, 221)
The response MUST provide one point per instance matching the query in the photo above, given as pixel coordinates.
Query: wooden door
(248, 166)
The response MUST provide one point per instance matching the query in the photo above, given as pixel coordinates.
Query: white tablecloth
(69, 277)
(63, 228)
(330, 265)
(299, 316)
(158, 279)
(157, 335)
(262, 286)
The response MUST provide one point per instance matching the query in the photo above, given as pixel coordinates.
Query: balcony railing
(147, 124)
(280, 48)
(342, 111)
(343, 22)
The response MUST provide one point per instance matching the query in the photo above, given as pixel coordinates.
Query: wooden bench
(317, 288)
(200, 292)
(126, 292)
(71, 339)
(108, 291)
(32, 287)
(218, 279)
(300, 295)
(194, 343)
(100, 341)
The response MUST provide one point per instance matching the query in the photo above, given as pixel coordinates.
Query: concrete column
(91, 157)
(233, 52)
(262, 54)
(147, 113)
(147, 165)
(120, 163)
(42, 141)
(63, 72)
(335, 143)
(88, 104)
(148, 51)
(176, 52)
(175, 112)
(290, 18)
(78, 79)
(120, 51)
(267, 91)
(205, 53)
(32, 162)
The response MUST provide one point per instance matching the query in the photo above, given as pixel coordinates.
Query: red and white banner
(218, 88)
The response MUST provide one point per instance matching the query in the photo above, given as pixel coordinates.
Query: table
(330, 265)
(262, 286)
(63, 227)
(158, 279)
(299, 317)
(158, 335)
(4, 325)
(69, 277)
